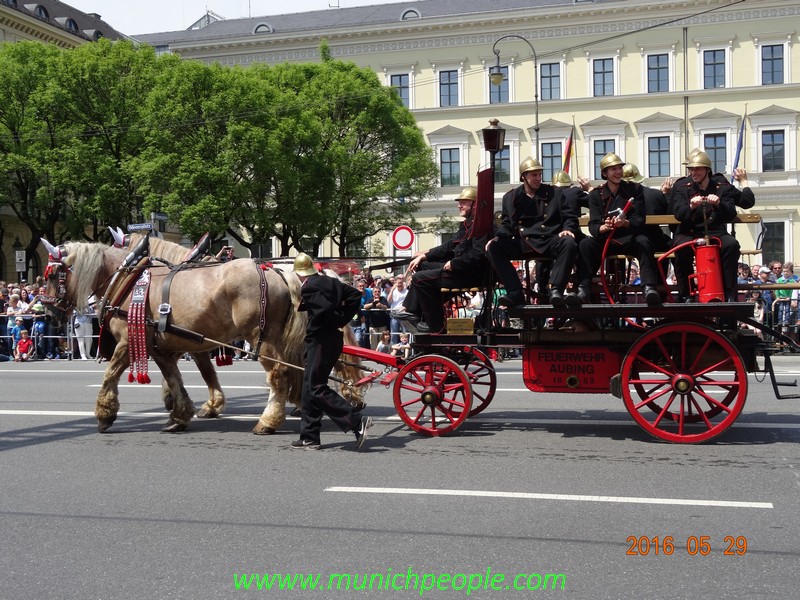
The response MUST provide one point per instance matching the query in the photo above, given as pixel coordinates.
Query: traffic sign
(403, 237)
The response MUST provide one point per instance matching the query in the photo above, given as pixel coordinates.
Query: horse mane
(87, 261)
(169, 251)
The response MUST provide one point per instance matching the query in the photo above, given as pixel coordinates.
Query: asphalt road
(538, 484)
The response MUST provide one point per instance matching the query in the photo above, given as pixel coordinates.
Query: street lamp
(21, 265)
(494, 138)
(496, 78)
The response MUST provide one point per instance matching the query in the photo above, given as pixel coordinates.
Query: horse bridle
(56, 267)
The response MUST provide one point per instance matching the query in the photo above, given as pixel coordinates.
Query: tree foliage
(107, 132)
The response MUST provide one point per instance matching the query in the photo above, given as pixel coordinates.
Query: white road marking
(532, 496)
(483, 418)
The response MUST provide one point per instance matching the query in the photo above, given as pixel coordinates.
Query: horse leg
(182, 407)
(215, 404)
(274, 414)
(107, 404)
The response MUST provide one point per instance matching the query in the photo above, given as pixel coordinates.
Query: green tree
(34, 139)
(376, 166)
(103, 88)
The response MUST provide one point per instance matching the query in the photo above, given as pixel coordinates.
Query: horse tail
(294, 338)
(354, 395)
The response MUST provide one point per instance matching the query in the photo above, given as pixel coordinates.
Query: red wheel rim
(432, 395)
(481, 375)
(684, 382)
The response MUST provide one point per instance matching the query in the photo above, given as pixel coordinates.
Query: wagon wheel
(481, 374)
(684, 382)
(432, 395)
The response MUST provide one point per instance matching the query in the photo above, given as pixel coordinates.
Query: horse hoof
(173, 427)
(260, 429)
(104, 424)
(207, 413)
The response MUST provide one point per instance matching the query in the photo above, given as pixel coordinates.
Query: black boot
(651, 295)
(585, 294)
(512, 299)
(557, 298)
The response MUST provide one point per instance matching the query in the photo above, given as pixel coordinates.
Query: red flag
(568, 151)
(483, 212)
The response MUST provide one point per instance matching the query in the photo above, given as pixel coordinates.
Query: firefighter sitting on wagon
(704, 204)
(458, 263)
(617, 209)
(536, 222)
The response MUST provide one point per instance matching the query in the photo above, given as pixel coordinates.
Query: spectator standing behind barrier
(606, 218)
(766, 295)
(704, 204)
(378, 315)
(536, 222)
(5, 347)
(396, 297)
(787, 308)
(360, 322)
(330, 305)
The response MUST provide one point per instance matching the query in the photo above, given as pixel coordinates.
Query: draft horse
(170, 253)
(210, 302)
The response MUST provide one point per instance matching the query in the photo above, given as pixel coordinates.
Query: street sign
(158, 216)
(140, 227)
(19, 258)
(403, 237)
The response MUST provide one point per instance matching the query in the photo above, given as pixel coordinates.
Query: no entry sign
(403, 237)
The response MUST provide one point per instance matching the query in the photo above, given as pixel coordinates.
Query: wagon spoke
(700, 354)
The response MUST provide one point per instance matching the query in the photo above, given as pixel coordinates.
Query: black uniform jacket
(465, 253)
(330, 303)
(602, 200)
(537, 219)
(691, 220)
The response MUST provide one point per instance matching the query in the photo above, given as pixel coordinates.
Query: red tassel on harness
(137, 330)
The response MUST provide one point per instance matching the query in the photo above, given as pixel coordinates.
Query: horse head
(55, 301)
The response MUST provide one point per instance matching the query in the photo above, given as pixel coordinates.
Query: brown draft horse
(172, 253)
(218, 301)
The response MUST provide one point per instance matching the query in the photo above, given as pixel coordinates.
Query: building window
(658, 162)
(601, 148)
(603, 76)
(41, 12)
(716, 146)
(450, 166)
(448, 88)
(713, 69)
(551, 81)
(411, 13)
(657, 73)
(772, 64)
(400, 83)
(773, 245)
(551, 160)
(502, 166)
(773, 151)
(498, 94)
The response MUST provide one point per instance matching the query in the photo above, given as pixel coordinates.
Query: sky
(152, 16)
